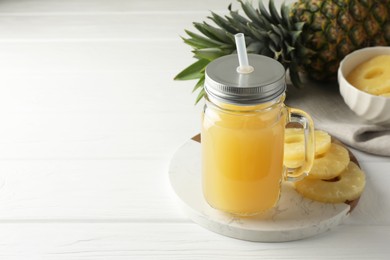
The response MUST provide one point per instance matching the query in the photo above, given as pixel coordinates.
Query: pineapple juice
(243, 156)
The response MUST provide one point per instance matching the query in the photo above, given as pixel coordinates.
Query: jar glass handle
(301, 117)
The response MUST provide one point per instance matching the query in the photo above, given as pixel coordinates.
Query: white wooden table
(90, 117)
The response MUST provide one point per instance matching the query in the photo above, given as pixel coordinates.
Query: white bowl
(375, 109)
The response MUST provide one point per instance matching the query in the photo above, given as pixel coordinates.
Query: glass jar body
(242, 155)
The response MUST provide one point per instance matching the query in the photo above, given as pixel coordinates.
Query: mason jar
(242, 136)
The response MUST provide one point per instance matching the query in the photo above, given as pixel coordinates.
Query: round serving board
(294, 217)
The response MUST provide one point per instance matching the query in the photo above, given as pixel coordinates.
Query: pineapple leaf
(207, 42)
(239, 18)
(295, 36)
(264, 12)
(299, 26)
(285, 12)
(274, 38)
(276, 53)
(257, 34)
(210, 53)
(199, 84)
(274, 12)
(266, 52)
(294, 75)
(304, 52)
(278, 31)
(232, 40)
(295, 79)
(223, 23)
(200, 96)
(284, 31)
(265, 24)
(241, 27)
(213, 32)
(194, 71)
(255, 47)
(194, 43)
(201, 28)
(251, 12)
(289, 48)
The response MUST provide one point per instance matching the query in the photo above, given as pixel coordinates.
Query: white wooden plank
(373, 208)
(102, 27)
(151, 56)
(106, 26)
(89, 115)
(58, 99)
(179, 241)
(95, 6)
(95, 93)
(88, 6)
(93, 136)
(135, 190)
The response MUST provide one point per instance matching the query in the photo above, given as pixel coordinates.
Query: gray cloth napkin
(329, 112)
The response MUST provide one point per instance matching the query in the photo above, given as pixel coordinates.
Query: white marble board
(295, 217)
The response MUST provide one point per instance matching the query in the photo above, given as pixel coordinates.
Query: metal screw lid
(264, 84)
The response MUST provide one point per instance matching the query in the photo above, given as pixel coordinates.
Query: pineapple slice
(346, 187)
(330, 164)
(372, 76)
(294, 150)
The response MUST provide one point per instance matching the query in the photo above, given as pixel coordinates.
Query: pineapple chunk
(346, 187)
(330, 164)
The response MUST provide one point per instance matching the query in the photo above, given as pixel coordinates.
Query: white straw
(242, 55)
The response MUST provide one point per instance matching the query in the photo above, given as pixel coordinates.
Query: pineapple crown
(267, 32)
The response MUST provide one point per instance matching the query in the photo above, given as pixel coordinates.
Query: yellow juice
(243, 157)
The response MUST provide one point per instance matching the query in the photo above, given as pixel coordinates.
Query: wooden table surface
(90, 118)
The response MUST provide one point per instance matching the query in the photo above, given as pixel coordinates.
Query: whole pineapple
(310, 36)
